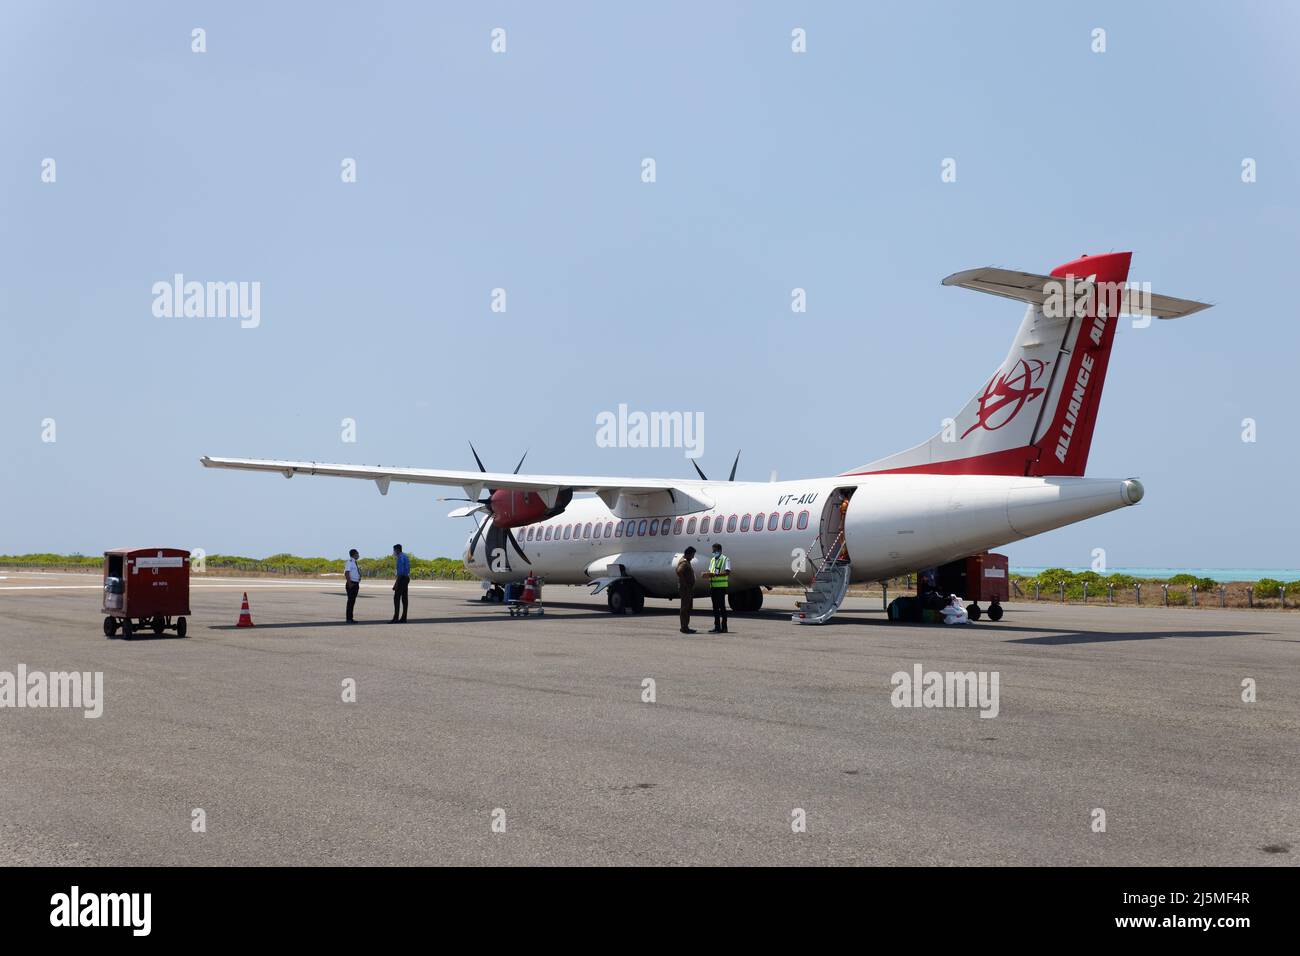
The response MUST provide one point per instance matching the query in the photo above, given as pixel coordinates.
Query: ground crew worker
(719, 575)
(400, 585)
(352, 581)
(686, 588)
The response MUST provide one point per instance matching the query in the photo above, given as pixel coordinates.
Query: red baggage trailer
(980, 577)
(146, 587)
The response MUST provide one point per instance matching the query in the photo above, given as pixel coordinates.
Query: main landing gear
(625, 597)
(745, 601)
(994, 611)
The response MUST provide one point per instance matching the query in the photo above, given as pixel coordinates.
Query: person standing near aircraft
(401, 584)
(719, 575)
(686, 588)
(352, 581)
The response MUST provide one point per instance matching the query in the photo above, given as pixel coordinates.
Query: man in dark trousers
(686, 588)
(719, 575)
(352, 581)
(400, 599)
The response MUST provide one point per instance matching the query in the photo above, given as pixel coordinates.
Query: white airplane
(1007, 466)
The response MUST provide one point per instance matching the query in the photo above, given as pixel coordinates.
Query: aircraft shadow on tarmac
(1056, 635)
(483, 618)
(846, 617)
(1096, 637)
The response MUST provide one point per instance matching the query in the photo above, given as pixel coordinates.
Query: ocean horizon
(1216, 574)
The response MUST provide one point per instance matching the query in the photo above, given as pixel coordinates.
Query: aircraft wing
(473, 482)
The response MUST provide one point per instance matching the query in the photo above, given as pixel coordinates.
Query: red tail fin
(1063, 445)
(1037, 413)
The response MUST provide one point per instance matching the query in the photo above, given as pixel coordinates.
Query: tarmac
(1121, 735)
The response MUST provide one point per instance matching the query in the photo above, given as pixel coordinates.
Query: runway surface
(464, 711)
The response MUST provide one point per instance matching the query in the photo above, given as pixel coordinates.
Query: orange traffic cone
(245, 619)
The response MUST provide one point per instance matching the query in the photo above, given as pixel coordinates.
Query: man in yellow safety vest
(719, 575)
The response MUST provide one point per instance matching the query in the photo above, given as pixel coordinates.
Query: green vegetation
(1050, 581)
(1180, 585)
(1268, 588)
(441, 568)
(1187, 580)
(52, 560)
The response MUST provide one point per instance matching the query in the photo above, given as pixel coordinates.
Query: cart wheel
(974, 611)
(995, 612)
(110, 626)
(159, 625)
(128, 629)
(180, 627)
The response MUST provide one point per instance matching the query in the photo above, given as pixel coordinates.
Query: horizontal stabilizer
(1036, 289)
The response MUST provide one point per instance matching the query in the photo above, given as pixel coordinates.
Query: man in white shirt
(352, 580)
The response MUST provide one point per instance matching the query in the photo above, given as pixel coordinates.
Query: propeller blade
(476, 457)
(473, 545)
(733, 466)
(521, 464)
(699, 471)
(510, 536)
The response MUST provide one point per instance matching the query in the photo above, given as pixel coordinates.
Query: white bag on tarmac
(954, 613)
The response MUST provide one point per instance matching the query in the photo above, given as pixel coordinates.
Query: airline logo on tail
(1006, 394)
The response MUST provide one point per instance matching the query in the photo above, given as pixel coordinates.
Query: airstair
(823, 597)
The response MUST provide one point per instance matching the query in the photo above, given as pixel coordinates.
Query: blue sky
(522, 171)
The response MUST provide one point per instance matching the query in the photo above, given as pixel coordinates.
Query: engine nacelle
(514, 508)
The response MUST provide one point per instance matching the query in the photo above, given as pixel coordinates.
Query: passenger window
(787, 522)
(618, 530)
(568, 528)
(731, 524)
(744, 523)
(772, 520)
(530, 533)
(803, 520)
(548, 532)
(641, 526)
(654, 525)
(717, 525)
(758, 522)
(609, 528)
(586, 532)
(677, 526)
(690, 526)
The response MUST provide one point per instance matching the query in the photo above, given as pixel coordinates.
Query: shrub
(1267, 587)
(1187, 580)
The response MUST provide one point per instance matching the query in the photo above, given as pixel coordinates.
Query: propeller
(731, 477)
(486, 505)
